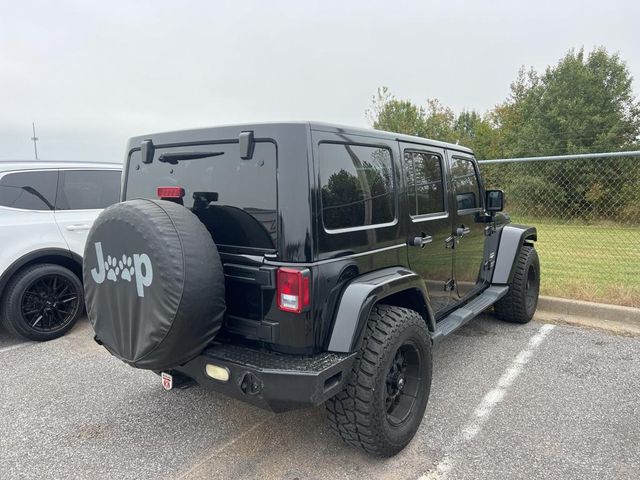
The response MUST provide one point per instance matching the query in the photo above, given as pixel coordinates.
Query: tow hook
(250, 384)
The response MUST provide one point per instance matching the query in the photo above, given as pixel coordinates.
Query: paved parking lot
(507, 401)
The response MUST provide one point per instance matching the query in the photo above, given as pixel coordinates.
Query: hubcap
(49, 303)
(402, 384)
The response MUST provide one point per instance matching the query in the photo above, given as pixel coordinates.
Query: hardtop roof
(329, 127)
(317, 126)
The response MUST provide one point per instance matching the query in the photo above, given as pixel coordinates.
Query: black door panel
(427, 197)
(468, 226)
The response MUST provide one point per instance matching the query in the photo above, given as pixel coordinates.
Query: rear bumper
(271, 380)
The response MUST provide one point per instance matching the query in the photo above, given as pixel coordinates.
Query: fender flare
(362, 293)
(512, 239)
(33, 257)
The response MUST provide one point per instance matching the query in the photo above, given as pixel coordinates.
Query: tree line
(583, 104)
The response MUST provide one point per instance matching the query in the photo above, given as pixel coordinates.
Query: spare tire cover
(154, 283)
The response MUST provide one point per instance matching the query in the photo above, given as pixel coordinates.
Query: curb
(589, 309)
(623, 320)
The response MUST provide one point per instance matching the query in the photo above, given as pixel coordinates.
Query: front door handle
(77, 228)
(462, 231)
(422, 240)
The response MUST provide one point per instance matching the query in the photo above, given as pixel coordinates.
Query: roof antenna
(34, 138)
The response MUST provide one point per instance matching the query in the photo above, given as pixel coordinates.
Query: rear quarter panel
(23, 231)
(347, 253)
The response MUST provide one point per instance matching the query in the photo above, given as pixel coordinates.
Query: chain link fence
(587, 211)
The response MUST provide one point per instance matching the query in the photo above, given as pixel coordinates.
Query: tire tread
(512, 307)
(352, 413)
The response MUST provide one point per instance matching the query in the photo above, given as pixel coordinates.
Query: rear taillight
(293, 289)
(165, 193)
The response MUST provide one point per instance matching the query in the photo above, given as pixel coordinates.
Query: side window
(357, 185)
(465, 184)
(424, 182)
(88, 189)
(29, 190)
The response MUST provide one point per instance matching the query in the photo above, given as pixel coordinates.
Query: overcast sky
(91, 74)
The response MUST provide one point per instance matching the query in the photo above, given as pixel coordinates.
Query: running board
(475, 307)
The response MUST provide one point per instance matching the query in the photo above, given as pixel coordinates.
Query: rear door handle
(422, 240)
(77, 228)
(462, 231)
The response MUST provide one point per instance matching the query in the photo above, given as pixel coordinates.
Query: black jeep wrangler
(291, 264)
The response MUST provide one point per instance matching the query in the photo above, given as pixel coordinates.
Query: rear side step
(475, 307)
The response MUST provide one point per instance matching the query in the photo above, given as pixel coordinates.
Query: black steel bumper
(271, 380)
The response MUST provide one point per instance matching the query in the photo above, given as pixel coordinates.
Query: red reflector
(170, 192)
(293, 289)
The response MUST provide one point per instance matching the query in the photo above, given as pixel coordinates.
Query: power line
(35, 139)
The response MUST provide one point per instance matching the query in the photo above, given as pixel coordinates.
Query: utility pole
(35, 139)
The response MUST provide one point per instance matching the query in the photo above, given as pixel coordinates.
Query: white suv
(46, 211)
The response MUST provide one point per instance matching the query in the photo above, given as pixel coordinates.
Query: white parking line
(489, 401)
(15, 347)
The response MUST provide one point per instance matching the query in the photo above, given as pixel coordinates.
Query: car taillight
(293, 289)
(170, 192)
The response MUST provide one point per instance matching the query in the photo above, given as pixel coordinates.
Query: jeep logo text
(125, 268)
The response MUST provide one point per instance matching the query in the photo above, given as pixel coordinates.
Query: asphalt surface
(507, 401)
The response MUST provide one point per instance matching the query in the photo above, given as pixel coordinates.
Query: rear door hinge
(450, 242)
(450, 285)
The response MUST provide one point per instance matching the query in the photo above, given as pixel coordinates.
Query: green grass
(599, 263)
(594, 262)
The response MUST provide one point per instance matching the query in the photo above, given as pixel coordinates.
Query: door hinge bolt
(450, 285)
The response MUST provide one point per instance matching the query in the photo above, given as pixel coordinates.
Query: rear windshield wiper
(175, 157)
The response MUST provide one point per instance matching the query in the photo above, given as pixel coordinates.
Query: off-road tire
(358, 414)
(11, 311)
(519, 304)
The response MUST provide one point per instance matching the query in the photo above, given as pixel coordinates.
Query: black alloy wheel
(49, 303)
(403, 383)
(532, 288)
(42, 302)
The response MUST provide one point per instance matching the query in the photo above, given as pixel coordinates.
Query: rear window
(236, 199)
(29, 190)
(88, 189)
(357, 185)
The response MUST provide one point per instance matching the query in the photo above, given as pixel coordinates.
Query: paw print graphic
(112, 269)
(127, 269)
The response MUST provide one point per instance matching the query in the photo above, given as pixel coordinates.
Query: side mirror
(494, 200)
